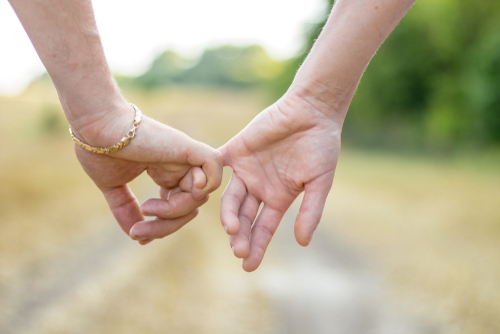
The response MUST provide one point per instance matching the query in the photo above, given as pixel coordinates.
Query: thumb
(211, 163)
(124, 206)
(312, 207)
(195, 178)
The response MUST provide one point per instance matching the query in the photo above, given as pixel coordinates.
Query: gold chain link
(118, 146)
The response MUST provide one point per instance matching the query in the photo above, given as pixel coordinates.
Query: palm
(285, 150)
(167, 155)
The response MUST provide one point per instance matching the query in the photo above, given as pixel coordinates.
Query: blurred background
(410, 236)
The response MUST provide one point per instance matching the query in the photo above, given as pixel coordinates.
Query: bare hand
(168, 156)
(288, 148)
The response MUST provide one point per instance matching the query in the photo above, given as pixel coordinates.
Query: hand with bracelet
(100, 117)
(289, 148)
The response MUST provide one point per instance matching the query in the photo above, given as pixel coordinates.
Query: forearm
(353, 33)
(65, 36)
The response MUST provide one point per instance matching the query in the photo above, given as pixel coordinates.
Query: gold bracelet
(116, 147)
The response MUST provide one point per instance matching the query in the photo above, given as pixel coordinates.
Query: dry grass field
(430, 226)
(433, 228)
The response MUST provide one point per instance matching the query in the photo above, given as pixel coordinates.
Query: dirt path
(329, 288)
(325, 288)
(30, 295)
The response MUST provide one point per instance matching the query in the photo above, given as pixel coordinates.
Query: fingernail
(225, 227)
(310, 238)
(232, 247)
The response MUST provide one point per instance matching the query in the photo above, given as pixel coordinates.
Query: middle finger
(178, 204)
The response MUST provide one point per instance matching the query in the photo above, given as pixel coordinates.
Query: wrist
(100, 125)
(333, 102)
(88, 97)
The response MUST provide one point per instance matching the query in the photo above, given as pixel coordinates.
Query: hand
(290, 147)
(168, 155)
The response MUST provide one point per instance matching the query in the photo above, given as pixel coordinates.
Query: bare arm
(65, 36)
(351, 36)
(293, 145)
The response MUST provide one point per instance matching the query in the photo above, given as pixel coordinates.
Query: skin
(65, 36)
(290, 147)
(293, 145)
(169, 157)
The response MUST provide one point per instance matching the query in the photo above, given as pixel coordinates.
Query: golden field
(431, 227)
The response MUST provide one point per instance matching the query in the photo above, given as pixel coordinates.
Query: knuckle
(233, 198)
(245, 220)
(267, 232)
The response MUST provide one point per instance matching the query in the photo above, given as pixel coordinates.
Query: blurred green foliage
(437, 76)
(223, 66)
(434, 83)
(52, 120)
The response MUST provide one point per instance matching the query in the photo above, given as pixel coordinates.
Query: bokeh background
(410, 236)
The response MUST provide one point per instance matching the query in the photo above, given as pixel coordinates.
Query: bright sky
(134, 32)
